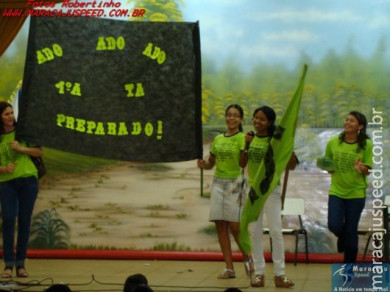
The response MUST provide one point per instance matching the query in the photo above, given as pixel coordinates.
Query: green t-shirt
(347, 182)
(227, 150)
(24, 167)
(256, 152)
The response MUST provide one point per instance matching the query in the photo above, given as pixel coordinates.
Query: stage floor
(163, 275)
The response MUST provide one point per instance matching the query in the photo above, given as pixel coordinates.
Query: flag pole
(290, 165)
(284, 187)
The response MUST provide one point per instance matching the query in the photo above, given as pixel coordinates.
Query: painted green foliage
(48, 230)
(159, 10)
(334, 86)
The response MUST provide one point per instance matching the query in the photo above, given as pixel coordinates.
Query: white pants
(272, 209)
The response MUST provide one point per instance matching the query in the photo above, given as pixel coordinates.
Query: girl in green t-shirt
(257, 145)
(351, 154)
(225, 209)
(18, 192)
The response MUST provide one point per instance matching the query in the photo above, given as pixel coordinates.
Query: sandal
(283, 282)
(7, 273)
(21, 272)
(227, 274)
(258, 281)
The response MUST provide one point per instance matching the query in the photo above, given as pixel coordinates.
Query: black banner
(113, 89)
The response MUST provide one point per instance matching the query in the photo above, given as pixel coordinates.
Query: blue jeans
(17, 198)
(343, 221)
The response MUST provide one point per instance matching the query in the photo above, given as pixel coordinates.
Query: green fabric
(271, 167)
(226, 150)
(256, 153)
(24, 166)
(347, 182)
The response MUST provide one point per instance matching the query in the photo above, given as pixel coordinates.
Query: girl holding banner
(256, 147)
(226, 203)
(18, 192)
(350, 156)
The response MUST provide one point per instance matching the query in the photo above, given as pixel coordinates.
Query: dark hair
(362, 135)
(142, 288)
(271, 116)
(133, 281)
(58, 288)
(3, 106)
(239, 108)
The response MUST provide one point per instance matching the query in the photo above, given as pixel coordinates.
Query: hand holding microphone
(249, 137)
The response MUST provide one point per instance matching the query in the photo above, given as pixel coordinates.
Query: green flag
(273, 164)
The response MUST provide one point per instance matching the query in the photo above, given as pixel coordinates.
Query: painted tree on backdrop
(12, 65)
(163, 10)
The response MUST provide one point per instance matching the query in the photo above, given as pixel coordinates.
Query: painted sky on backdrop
(279, 31)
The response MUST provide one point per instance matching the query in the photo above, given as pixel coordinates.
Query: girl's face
(261, 123)
(7, 117)
(233, 118)
(351, 124)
